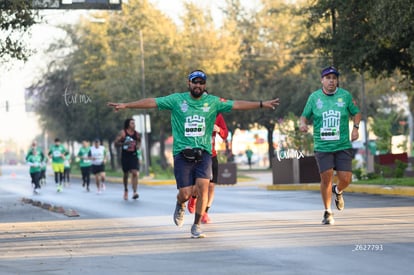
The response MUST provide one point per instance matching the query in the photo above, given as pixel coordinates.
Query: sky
(22, 127)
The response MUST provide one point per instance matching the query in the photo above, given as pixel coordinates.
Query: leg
(326, 188)
(36, 178)
(191, 205)
(103, 175)
(344, 179)
(202, 199)
(184, 194)
(125, 181)
(134, 181)
(84, 171)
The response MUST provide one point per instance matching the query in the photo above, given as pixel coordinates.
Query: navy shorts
(339, 160)
(187, 172)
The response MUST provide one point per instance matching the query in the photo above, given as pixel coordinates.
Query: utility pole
(365, 119)
(145, 136)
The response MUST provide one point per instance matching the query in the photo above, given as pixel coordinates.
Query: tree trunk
(270, 128)
(112, 155)
(163, 159)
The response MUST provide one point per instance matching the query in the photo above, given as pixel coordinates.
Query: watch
(356, 126)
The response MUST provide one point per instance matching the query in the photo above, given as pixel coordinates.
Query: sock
(197, 218)
(336, 190)
(328, 210)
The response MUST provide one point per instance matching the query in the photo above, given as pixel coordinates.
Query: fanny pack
(193, 154)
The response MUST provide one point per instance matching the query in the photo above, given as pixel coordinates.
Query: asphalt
(264, 179)
(272, 232)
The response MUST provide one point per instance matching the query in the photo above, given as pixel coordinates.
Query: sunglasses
(195, 81)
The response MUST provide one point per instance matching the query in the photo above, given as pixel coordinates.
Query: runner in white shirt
(98, 156)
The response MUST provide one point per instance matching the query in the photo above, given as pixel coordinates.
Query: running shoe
(36, 191)
(192, 205)
(126, 195)
(87, 188)
(196, 232)
(179, 214)
(59, 188)
(135, 196)
(103, 187)
(339, 200)
(205, 218)
(328, 218)
(83, 184)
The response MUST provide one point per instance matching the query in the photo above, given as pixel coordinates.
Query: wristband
(261, 104)
(356, 126)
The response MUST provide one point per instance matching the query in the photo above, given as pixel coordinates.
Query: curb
(353, 188)
(52, 208)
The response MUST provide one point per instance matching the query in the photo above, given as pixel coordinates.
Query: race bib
(194, 129)
(330, 133)
(57, 154)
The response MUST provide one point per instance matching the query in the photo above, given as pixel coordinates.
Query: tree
(366, 36)
(16, 18)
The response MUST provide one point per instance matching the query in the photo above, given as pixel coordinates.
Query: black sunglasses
(195, 81)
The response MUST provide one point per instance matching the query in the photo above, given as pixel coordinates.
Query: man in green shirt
(85, 164)
(34, 159)
(33, 148)
(331, 108)
(58, 152)
(193, 114)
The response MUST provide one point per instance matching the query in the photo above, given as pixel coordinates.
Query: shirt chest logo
(340, 103)
(206, 108)
(184, 106)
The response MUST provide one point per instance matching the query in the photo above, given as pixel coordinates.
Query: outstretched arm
(249, 105)
(145, 103)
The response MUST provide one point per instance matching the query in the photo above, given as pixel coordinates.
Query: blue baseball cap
(197, 74)
(329, 70)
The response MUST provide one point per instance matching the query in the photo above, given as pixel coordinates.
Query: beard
(196, 92)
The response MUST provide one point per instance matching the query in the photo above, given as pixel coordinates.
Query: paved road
(254, 231)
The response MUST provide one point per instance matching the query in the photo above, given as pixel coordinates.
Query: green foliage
(400, 167)
(16, 18)
(295, 139)
(366, 36)
(387, 171)
(160, 172)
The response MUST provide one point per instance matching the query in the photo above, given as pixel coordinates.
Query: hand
(271, 104)
(354, 134)
(117, 106)
(216, 128)
(303, 128)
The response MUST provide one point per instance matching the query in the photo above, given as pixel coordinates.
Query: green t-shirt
(330, 114)
(56, 151)
(35, 162)
(82, 154)
(192, 120)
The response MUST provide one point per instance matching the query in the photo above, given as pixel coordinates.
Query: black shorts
(129, 161)
(214, 168)
(98, 169)
(339, 160)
